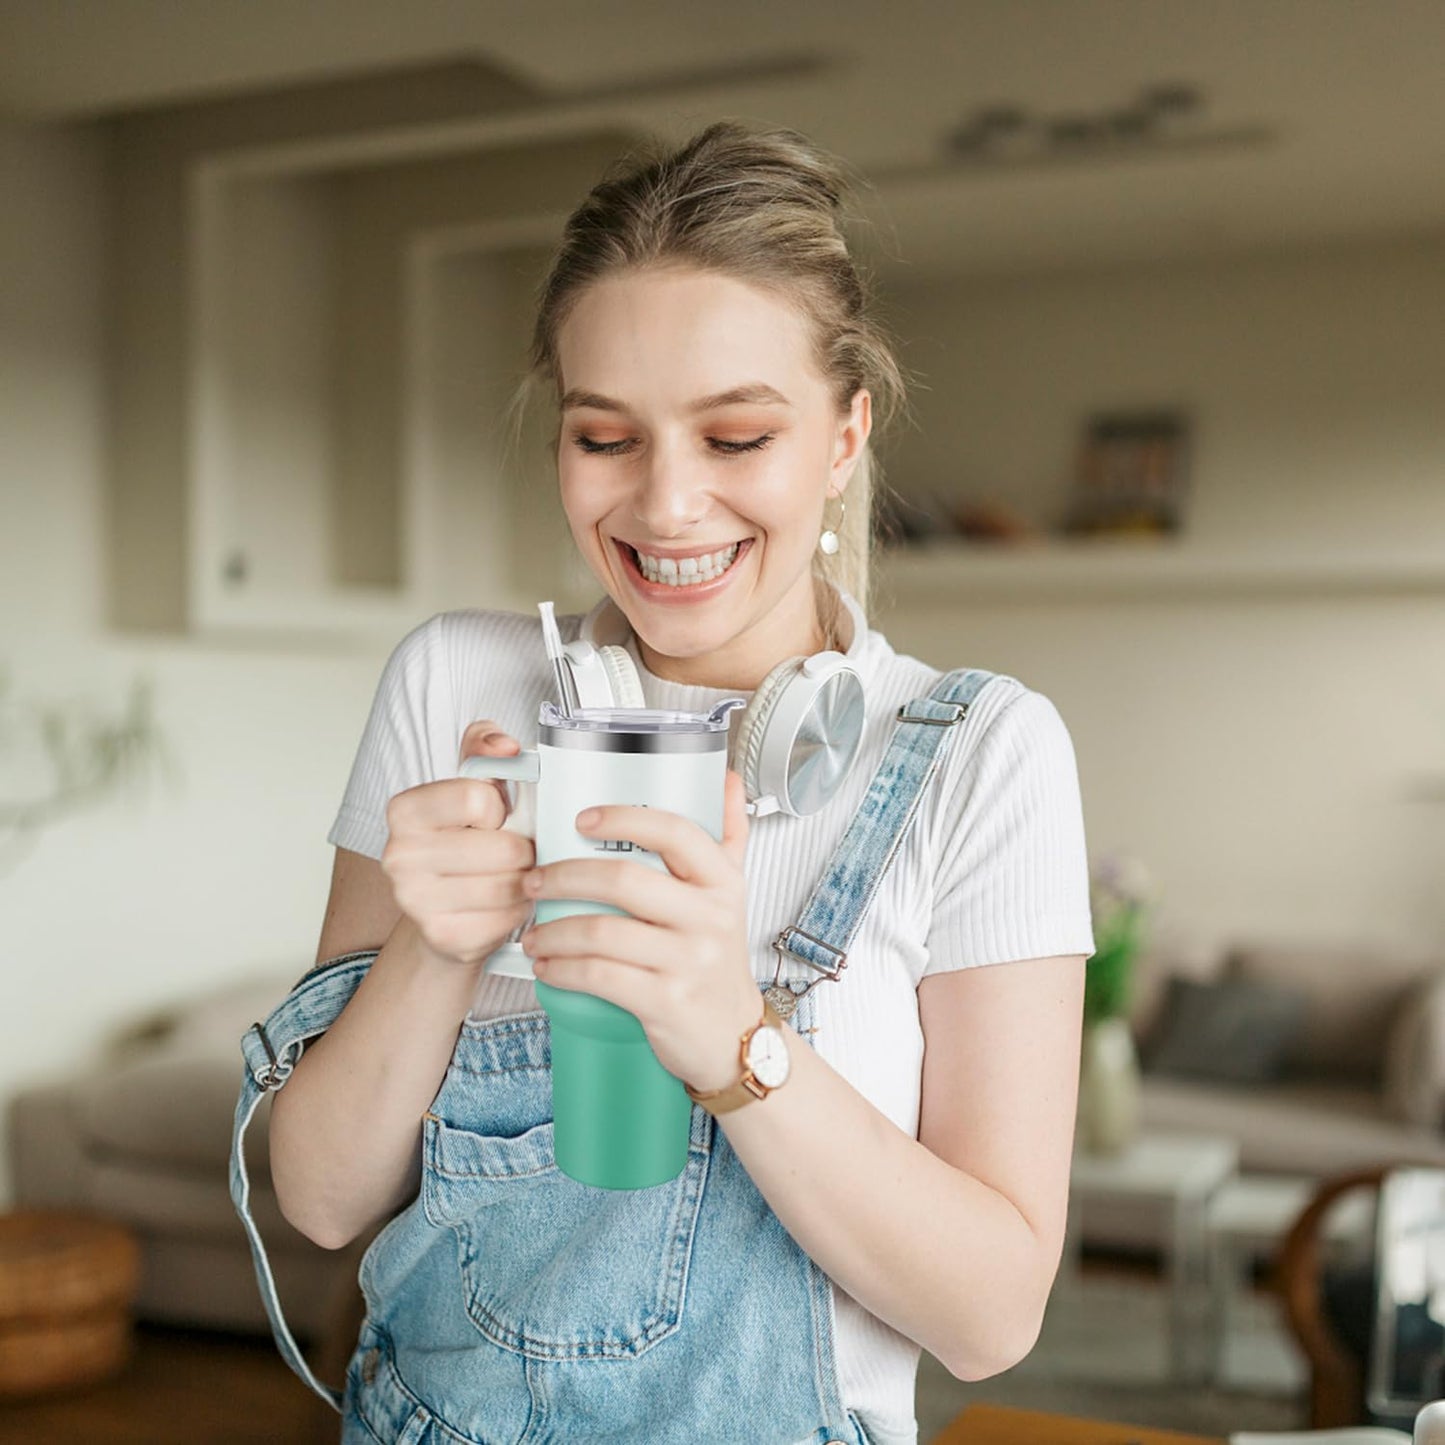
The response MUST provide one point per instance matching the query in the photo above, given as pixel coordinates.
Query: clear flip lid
(640, 719)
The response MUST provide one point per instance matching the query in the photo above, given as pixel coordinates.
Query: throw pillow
(1354, 990)
(1413, 1086)
(1228, 1031)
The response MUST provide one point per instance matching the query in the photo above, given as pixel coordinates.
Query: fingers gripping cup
(621, 1121)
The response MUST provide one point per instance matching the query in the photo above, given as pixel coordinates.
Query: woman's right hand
(454, 870)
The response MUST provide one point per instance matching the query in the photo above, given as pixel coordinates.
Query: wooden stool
(66, 1284)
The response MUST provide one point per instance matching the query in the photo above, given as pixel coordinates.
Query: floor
(179, 1389)
(1100, 1354)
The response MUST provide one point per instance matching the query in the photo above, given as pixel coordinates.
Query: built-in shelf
(942, 570)
(345, 473)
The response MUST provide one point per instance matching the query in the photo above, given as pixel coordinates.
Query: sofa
(1350, 1073)
(144, 1136)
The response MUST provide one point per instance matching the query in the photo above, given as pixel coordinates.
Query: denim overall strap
(834, 913)
(271, 1051)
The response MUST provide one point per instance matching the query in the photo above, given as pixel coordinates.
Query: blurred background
(1169, 277)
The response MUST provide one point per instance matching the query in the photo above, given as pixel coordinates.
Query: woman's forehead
(683, 336)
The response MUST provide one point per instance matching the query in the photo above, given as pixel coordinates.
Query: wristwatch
(765, 1064)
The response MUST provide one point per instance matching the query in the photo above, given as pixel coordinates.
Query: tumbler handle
(508, 958)
(522, 768)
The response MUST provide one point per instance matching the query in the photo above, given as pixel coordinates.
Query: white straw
(566, 696)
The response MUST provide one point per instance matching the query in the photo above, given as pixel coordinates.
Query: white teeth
(689, 570)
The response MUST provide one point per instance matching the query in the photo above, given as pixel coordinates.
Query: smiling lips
(699, 573)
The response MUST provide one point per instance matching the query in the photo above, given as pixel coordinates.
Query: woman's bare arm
(345, 1131)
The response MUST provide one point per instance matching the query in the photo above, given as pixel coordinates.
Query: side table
(66, 1285)
(1248, 1216)
(1178, 1175)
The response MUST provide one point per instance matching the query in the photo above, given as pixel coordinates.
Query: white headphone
(797, 738)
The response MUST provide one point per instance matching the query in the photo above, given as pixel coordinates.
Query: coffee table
(1175, 1175)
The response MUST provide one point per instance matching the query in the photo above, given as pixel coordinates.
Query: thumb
(735, 818)
(485, 738)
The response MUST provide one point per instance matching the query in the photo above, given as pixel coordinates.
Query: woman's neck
(743, 663)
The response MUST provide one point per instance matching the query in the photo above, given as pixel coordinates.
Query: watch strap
(747, 1088)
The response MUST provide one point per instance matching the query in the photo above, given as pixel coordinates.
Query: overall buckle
(960, 711)
(780, 943)
(278, 1071)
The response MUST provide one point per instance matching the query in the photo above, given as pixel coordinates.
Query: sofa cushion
(173, 1110)
(1295, 1127)
(171, 1104)
(1168, 953)
(1232, 1030)
(213, 1022)
(1354, 994)
(1413, 1088)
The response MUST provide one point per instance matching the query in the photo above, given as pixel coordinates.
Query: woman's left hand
(679, 962)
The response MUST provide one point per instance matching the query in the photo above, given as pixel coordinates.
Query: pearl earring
(828, 542)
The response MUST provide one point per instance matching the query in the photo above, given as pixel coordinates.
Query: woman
(707, 340)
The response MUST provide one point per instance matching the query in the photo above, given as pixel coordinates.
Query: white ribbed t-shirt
(994, 868)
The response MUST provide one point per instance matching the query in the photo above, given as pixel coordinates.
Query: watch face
(768, 1057)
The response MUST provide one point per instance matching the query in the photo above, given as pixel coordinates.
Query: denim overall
(509, 1303)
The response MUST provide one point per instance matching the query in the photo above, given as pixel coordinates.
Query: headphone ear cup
(622, 675)
(754, 725)
(603, 676)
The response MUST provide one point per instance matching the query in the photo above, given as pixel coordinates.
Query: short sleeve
(1012, 869)
(410, 721)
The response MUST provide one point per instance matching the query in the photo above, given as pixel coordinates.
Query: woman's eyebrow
(756, 392)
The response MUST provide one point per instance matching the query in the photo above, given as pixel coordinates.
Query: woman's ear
(852, 436)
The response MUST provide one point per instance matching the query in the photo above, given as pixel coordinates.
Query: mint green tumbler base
(621, 1121)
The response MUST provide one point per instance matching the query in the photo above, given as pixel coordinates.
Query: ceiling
(1323, 121)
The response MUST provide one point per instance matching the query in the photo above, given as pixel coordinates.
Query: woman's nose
(671, 496)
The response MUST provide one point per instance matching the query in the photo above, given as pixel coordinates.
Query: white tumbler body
(571, 779)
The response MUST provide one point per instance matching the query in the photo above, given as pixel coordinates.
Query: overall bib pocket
(552, 1268)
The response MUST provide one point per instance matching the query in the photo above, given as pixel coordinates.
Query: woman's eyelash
(726, 448)
(755, 445)
(601, 449)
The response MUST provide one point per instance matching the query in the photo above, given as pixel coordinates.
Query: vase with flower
(1108, 1118)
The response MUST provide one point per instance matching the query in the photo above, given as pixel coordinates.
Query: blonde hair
(766, 207)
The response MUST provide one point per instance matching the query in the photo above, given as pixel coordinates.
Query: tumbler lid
(637, 729)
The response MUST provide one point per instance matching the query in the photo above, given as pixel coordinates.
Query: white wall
(131, 905)
(1262, 756)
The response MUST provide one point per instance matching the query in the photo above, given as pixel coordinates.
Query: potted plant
(1119, 895)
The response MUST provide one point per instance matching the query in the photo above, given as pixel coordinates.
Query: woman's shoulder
(492, 626)
(471, 657)
(1007, 719)
(445, 638)
(899, 678)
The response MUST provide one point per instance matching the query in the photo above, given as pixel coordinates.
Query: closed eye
(723, 448)
(733, 448)
(603, 449)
